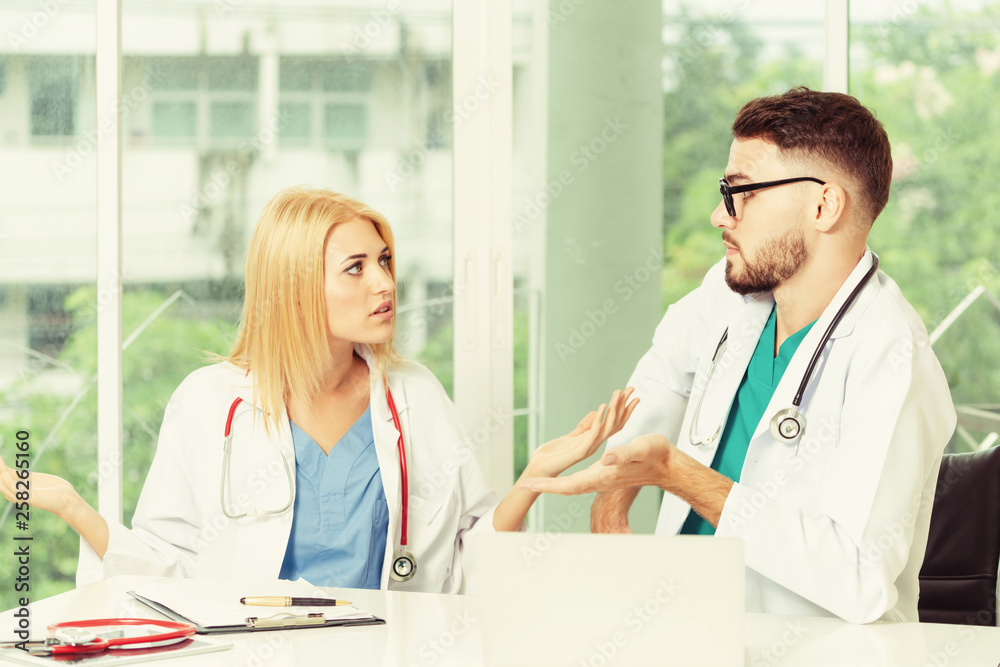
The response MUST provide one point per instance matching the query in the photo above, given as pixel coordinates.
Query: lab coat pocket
(424, 510)
(432, 532)
(376, 546)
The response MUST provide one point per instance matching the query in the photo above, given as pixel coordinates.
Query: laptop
(582, 600)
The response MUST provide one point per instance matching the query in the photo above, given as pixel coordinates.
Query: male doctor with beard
(793, 399)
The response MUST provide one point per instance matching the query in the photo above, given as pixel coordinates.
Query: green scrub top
(756, 388)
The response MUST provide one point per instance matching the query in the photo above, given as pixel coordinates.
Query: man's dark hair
(833, 127)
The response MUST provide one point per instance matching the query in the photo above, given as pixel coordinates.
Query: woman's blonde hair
(283, 330)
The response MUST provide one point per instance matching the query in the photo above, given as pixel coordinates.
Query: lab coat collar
(792, 377)
(386, 438)
(744, 326)
(852, 315)
(857, 309)
(244, 389)
(379, 403)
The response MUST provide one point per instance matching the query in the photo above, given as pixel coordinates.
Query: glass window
(345, 123)
(48, 296)
(336, 90)
(231, 119)
(52, 87)
(717, 59)
(929, 71)
(230, 130)
(175, 119)
(350, 76)
(296, 120)
(207, 101)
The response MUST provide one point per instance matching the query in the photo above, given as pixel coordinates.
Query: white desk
(424, 630)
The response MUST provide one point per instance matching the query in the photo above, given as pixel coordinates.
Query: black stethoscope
(404, 564)
(788, 424)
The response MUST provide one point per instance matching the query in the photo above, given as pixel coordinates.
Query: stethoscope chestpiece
(787, 425)
(404, 566)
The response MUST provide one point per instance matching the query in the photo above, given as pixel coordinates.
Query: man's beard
(776, 261)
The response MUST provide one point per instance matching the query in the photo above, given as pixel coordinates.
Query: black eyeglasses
(728, 190)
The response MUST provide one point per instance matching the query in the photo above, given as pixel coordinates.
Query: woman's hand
(646, 461)
(557, 455)
(46, 492)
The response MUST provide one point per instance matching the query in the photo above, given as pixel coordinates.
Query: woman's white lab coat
(179, 528)
(836, 524)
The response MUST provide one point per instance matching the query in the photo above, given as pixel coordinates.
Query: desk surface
(422, 630)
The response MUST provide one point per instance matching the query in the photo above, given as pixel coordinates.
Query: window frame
(483, 163)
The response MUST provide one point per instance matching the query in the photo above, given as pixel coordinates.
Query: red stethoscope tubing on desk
(73, 637)
(404, 565)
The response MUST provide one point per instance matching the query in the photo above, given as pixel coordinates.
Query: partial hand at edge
(54, 494)
(45, 492)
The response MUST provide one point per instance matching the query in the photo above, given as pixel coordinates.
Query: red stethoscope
(404, 565)
(97, 635)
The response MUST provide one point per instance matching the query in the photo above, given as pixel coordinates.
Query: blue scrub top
(756, 388)
(341, 517)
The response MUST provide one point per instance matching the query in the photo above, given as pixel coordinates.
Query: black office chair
(958, 580)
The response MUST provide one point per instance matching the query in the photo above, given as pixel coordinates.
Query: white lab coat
(837, 524)
(179, 528)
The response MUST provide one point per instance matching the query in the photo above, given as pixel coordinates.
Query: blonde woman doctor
(314, 401)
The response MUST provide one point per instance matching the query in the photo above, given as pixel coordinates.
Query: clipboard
(250, 619)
